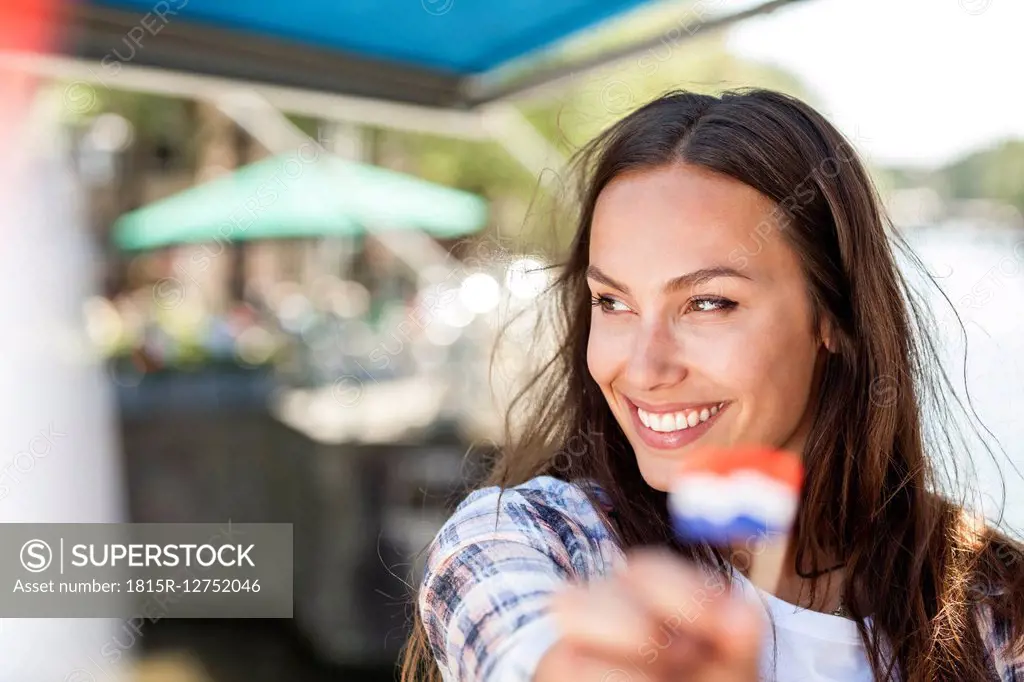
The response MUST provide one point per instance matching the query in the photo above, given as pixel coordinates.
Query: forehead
(673, 219)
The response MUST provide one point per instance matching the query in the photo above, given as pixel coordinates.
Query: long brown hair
(873, 493)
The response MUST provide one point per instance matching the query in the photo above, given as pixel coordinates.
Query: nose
(656, 359)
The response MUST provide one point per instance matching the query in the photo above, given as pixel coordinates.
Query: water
(981, 270)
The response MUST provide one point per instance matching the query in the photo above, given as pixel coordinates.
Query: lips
(674, 426)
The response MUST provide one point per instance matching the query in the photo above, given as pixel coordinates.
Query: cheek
(770, 364)
(767, 351)
(606, 353)
(597, 358)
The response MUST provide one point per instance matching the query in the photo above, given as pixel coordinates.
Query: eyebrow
(687, 281)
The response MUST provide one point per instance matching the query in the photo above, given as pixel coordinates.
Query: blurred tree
(588, 105)
(995, 173)
(159, 135)
(702, 65)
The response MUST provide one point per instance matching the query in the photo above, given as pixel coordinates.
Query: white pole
(58, 459)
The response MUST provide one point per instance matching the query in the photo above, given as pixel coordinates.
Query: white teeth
(675, 421)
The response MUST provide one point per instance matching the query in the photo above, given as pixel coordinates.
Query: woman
(731, 281)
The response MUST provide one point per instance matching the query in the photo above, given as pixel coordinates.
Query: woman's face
(702, 332)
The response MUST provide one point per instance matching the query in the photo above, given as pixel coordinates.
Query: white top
(811, 645)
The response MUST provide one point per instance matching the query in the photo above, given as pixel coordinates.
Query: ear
(827, 335)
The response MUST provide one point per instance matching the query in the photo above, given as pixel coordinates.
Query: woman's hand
(658, 620)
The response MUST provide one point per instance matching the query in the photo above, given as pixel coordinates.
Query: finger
(735, 651)
(602, 617)
(604, 621)
(564, 662)
(739, 635)
(681, 597)
(711, 625)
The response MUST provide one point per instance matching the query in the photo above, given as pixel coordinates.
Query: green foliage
(702, 64)
(587, 105)
(996, 173)
(484, 168)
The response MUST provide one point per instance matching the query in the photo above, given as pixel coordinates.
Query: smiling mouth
(670, 429)
(668, 422)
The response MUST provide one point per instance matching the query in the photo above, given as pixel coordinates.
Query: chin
(656, 471)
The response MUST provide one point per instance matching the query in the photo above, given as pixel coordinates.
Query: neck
(820, 589)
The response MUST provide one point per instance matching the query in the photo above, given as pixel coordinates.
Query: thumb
(564, 661)
(739, 637)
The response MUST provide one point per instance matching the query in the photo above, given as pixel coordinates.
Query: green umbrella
(303, 194)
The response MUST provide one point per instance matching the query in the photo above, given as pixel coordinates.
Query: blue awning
(417, 51)
(456, 36)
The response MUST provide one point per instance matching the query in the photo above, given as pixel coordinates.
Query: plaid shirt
(488, 575)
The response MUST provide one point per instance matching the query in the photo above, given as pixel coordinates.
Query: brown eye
(710, 305)
(607, 304)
